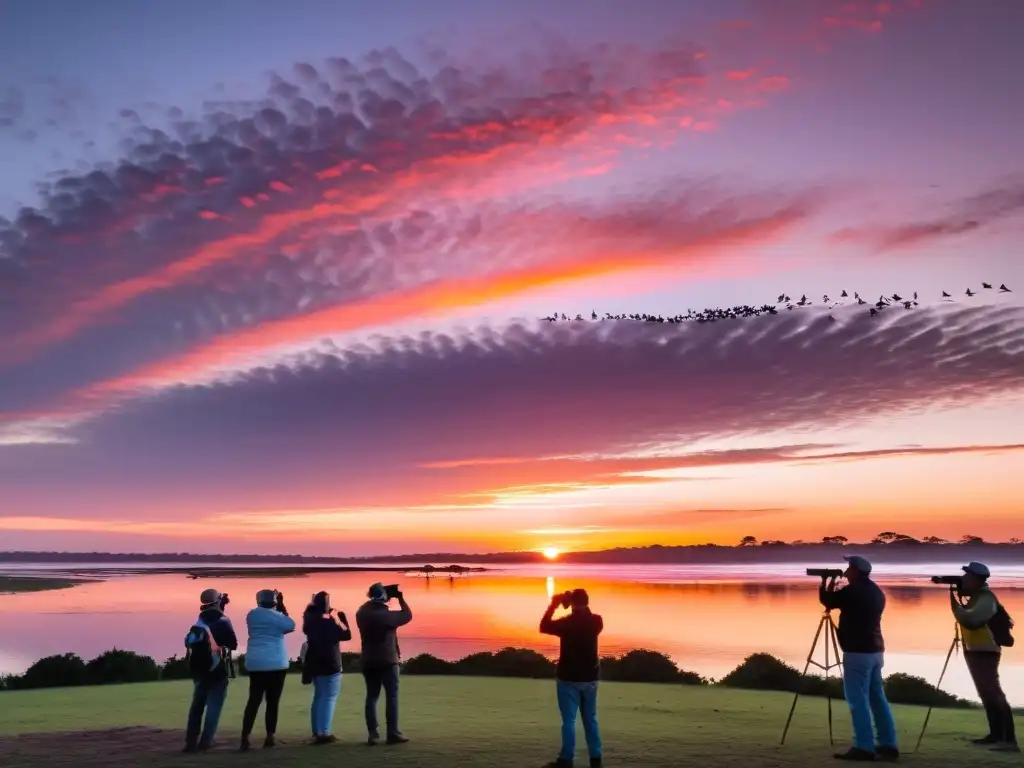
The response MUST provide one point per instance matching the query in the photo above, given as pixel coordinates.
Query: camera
(280, 603)
(949, 581)
(565, 599)
(392, 591)
(825, 573)
(224, 600)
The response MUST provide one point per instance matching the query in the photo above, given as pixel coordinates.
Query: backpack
(1000, 625)
(201, 650)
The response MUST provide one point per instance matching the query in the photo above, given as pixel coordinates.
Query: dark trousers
(984, 669)
(207, 697)
(262, 685)
(382, 676)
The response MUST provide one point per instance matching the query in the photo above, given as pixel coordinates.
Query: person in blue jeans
(861, 604)
(325, 630)
(577, 672)
(381, 656)
(209, 674)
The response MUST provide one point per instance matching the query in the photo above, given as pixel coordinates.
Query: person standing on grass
(577, 672)
(861, 603)
(378, 632)
(208, 643)
(325, 630)
(266, 661)
(985, 628)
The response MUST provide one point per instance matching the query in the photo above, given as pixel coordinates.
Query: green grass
(11, 584)
(458, 721)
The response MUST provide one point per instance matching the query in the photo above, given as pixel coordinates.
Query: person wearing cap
(210, 689)
(381, 656)
(266, 661)
(577, 672)
(983, 654)
(861, 604)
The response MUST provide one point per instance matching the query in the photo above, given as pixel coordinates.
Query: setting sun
(551, 552)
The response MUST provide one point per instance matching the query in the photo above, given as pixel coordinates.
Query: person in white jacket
(266, 661)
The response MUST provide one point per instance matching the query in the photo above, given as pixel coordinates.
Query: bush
(54, 672)
(10, 682)
(508, 662)
(644, 666)
(175, 669)
(764, 672)
(901, 688)
(118, 666)
(425, 664)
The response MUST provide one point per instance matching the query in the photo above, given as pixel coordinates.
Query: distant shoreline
(812, 554)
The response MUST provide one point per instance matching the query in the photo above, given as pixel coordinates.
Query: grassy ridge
(14, 584)
(466, 721)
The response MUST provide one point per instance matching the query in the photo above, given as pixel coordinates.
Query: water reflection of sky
(708, 626)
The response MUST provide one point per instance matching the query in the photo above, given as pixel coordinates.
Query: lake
(707, 618)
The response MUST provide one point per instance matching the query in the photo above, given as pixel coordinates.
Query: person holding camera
(861, 604)
(577, 672)
(978, 618)
(266, 661)
(208, 645)
(325, 630)
(378, 632)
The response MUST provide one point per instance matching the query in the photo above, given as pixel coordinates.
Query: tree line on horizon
(885, 537)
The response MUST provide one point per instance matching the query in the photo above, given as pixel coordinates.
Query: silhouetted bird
(873, 312)
(593, 315)
(897, 297)
(969, 292)
(946, 295)
(986, 285)
(1004, 289)
(843, 295)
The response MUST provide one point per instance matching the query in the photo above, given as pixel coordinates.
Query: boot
(244, 746)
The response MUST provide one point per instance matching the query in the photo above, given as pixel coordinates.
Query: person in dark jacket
(321, 665)
(210, 688)
(861, 604)
(577, 672)
(381, 656)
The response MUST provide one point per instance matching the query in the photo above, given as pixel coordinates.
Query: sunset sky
(271, 274)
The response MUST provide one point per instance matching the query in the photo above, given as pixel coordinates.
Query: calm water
(707, 618)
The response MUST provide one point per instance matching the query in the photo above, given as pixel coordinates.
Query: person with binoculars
(266, 661)
(861, 604)
(985, 629)
(577, 672)
(381, 655)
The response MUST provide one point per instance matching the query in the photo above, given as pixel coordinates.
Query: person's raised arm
(341, 632)
(598, 624)
(833, 598)
(401, 617)
(228, 639)
(283, 622)
(548, 624)
(978, 612)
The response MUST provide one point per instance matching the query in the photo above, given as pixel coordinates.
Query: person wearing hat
(983, 654)
(861, 604)
(266, 661)
(210, 684)
(381, 656)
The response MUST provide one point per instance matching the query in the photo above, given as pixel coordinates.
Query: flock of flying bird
(746, 310)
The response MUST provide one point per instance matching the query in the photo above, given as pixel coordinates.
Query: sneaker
(330, 738)
(889, 754)
(270, 741)
(244, 746)
(372, 739)
(855, 754)
(190, 749)
(1005, 746)
(397, 738)
(206, 746)
(985, 741)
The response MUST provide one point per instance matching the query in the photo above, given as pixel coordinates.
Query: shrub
(10, 682)
(901, 688)
(508, 662)
(644, 666)
(175, 669)
(118, 666)
(764, 672)
(55, 671)
(425, 664)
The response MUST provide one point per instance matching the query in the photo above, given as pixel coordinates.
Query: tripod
(831, 641)
(954, 646)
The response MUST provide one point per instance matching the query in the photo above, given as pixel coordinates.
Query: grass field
(459, 721)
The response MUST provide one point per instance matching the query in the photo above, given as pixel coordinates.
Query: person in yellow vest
(983, 652)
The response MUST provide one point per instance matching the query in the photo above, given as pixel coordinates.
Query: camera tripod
(954, 647)
(832, 660)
